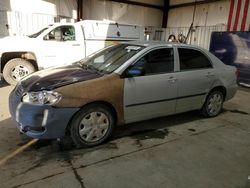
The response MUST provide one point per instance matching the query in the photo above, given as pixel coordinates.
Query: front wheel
(213, 104)
(92, 125)
(16, 69)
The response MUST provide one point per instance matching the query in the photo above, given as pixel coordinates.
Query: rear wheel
(16, 69)
(92, 125)
(213, 104)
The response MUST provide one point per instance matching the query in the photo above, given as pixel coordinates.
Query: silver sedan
(120, 84)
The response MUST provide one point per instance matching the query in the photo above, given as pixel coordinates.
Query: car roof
(160, 43)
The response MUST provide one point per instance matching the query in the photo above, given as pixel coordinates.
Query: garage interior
(183, 150)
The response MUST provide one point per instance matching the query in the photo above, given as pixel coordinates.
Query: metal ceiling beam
(165, 14)
(79, 10)
(139, 4)
(162, 7)
(192, 3)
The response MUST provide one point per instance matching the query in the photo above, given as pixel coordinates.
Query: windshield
(38, 33)
(109, 59)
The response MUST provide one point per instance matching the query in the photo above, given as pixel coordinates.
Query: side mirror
(135, 71)
(46, 37)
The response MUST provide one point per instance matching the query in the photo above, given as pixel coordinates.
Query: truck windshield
(109, 59)
(37, 33)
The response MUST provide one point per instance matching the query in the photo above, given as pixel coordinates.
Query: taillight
(237, 73)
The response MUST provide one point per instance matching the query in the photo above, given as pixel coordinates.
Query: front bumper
(42, 122)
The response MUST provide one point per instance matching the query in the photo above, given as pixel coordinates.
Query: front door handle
(75, 44)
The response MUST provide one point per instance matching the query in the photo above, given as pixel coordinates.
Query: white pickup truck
(60, 44)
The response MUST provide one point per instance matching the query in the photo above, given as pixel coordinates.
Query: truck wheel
(16, 69)
(92, 125)
(213, 105)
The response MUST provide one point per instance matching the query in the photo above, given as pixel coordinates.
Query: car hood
(52, 78)
(17, 43)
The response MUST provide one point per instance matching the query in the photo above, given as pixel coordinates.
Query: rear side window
(193, 59)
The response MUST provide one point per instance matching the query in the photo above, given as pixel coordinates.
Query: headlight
(42, 97)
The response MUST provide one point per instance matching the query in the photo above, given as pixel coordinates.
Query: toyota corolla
(120, 84)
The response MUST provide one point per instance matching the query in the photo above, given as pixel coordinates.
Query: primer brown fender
(108, 88)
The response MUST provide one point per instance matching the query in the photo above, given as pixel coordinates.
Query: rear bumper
(231, 90)
(42, 122)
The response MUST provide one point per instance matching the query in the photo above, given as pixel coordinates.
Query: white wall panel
(180, 17)
(33, 6)
(66, 8)
(27, 16)
(4, 5)
(21, 23)
(123, 13)
(218, 13)
(3, 21)
(177, 2)
(205, 15)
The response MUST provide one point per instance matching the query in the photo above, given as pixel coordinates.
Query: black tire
(207, 110)
(16, 69)
(76, 125)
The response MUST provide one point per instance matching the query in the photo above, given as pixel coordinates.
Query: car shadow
(151, 126)
(3, 83)
(244, 88)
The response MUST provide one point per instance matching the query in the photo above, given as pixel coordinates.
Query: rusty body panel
(108, 88)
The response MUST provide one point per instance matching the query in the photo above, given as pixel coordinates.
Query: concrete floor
(184, 150)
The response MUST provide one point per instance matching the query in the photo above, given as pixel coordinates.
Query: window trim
(192, 48)
(123, 75)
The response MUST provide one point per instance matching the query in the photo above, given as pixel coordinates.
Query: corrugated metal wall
(199, 36)
(205, 19)
(17, 19)
(21, 23)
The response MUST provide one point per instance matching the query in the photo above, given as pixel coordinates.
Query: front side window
(109, 59)
(62, 33)
(193, 59)
(157, 62)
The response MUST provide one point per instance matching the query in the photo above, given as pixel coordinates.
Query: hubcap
(214, 104)
(19, 72)
(93, 126)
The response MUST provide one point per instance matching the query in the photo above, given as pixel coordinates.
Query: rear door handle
(75, 44)
(209, 74)
(172, 79)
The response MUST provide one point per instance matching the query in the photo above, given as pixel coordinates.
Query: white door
(153, 92)
(60, 47)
